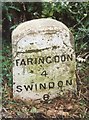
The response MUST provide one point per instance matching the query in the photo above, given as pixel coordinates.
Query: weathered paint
(42, 38)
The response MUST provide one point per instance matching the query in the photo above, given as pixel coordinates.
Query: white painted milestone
(44, 59)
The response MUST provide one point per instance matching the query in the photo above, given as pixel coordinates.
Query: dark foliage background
(76, 17)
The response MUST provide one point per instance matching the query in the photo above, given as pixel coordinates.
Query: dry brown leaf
(51, 112)
(65, 114)
(69, 107)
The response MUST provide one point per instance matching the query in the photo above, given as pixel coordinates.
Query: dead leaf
(65, 114)
(69, 107)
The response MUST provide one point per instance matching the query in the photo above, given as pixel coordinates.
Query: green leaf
(9, 17)
(33, 110)
(13, 27)
(51, 13)
(14, 8)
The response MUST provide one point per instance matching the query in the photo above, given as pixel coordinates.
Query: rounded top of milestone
(41, 26)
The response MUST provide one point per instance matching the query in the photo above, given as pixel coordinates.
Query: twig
(84, 97)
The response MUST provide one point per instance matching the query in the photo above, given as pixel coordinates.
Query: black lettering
(43, 86)
(60, 84)
(19, 88)
(69, 57)
(56, 59)
(35, 60)
(28, 87)
(41, 60)
(44, 73)
(46, 97)
(48, 60)
(23, 62)
(17, 62)
(29, 60)
(36, 87)
(63, 58)
(51, 85)
(68, 82)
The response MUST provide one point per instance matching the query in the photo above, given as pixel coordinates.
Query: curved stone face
(44, 59)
